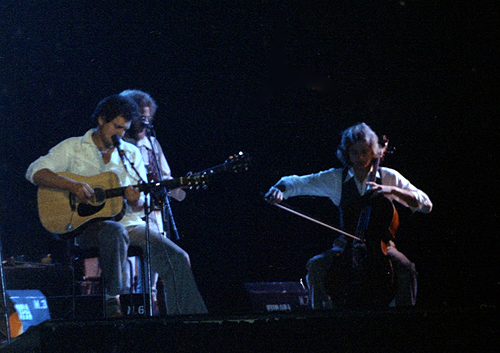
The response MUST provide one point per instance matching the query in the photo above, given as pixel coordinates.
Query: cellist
(358, 149)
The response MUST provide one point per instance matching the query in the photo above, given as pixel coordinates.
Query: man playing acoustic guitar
(71, 166)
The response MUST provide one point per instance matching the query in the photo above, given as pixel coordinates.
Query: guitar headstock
(238, 162)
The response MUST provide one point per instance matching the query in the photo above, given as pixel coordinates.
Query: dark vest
(350, 195)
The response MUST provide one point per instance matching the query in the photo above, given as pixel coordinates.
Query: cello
(365, 276)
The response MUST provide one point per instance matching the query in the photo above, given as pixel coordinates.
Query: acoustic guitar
(15, 323)
(62, 212)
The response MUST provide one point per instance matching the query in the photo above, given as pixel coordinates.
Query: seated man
(96, 153)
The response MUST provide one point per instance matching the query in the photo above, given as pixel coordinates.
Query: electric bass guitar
(62, 212)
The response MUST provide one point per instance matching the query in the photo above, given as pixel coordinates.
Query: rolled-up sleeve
(56, 160)
(325, 184)
(392, 177)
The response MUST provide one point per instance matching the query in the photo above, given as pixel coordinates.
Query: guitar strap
(161, 198)
(153, 169)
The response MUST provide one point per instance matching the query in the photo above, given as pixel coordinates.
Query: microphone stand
(166, 209)
(147, 269)
(171, 218)
(4, 303)
(147, 266)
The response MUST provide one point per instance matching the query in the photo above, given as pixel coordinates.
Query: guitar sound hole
(85, 210)
(96, 203)
(99, 196)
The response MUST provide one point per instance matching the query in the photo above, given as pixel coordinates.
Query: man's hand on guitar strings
(83, 191)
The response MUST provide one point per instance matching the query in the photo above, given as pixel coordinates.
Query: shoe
(113, 308)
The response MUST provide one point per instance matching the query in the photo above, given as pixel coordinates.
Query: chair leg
(73, 285)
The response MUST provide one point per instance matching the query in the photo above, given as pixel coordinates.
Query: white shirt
(328, 183)
(144, 145)
(79, 155)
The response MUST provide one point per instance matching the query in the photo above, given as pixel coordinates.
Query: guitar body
(15, 326)
(61, 212)
(15, 323)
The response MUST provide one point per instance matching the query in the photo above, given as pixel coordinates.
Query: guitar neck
(187, 181)
(235, 163)
(224, 167)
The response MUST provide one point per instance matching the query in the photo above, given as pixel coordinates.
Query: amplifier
(92, 306)
(277, 296)
(31, 306)
(134, 304)
(51, 280)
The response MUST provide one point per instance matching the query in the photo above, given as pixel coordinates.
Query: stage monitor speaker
(31, 306)
(278, 296)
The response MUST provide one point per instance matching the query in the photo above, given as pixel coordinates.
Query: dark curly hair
(113, 106)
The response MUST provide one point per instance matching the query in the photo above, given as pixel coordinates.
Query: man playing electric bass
(96, 153)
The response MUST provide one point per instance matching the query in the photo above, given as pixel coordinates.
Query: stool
(92, 284)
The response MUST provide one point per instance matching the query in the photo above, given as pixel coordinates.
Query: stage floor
(395, 330)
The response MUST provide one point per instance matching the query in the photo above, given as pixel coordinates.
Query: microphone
(116, 142)
(145, 125)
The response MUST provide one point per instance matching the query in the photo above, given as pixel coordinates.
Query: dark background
(278, 80)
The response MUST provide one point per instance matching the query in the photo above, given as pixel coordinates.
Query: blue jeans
(167, 259)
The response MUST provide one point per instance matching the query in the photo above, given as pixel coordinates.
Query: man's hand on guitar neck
(133, 197)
